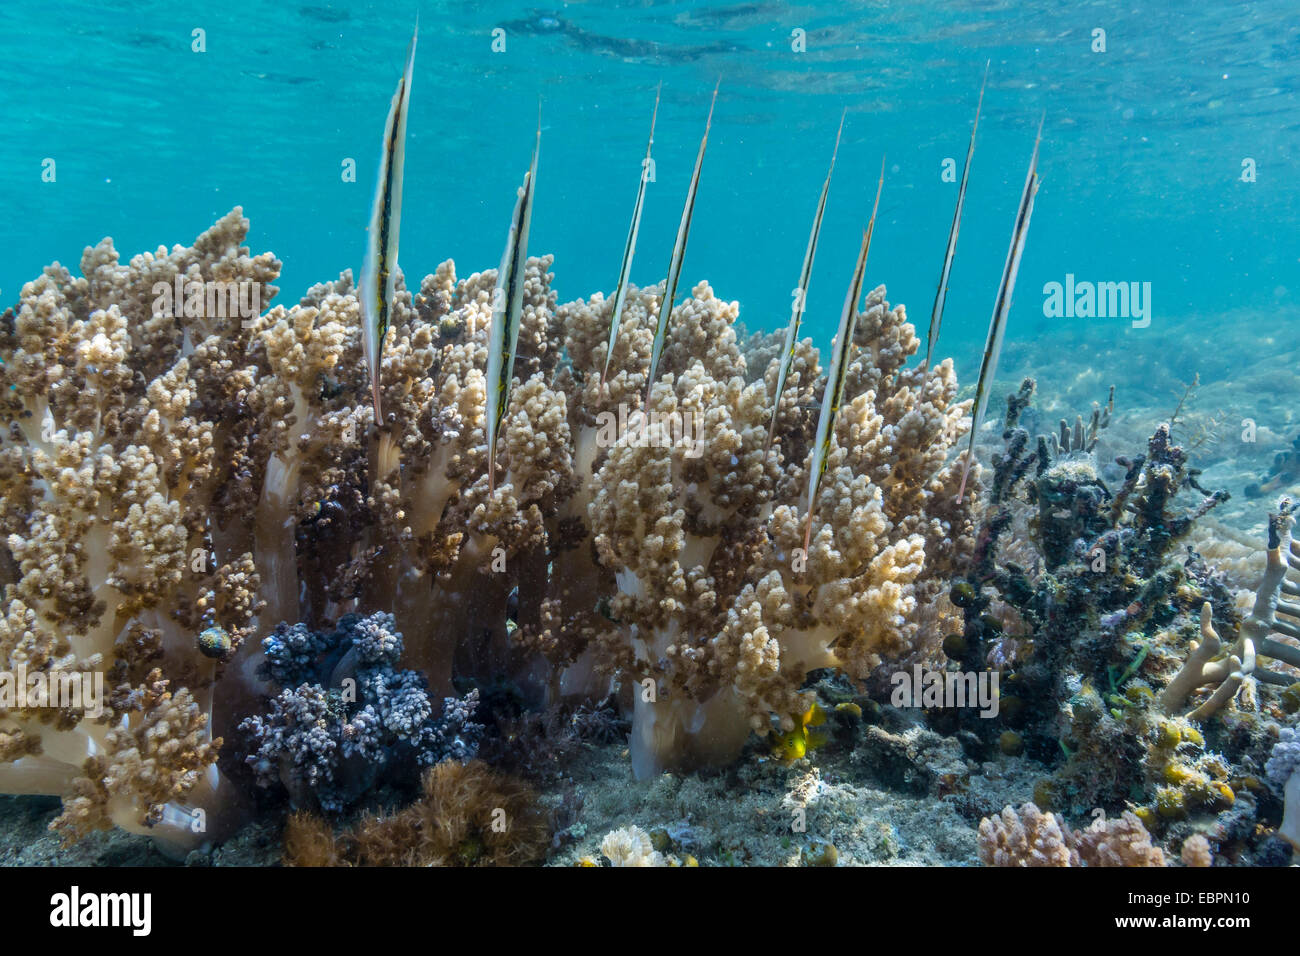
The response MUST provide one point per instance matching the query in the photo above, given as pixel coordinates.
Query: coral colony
(292, 559)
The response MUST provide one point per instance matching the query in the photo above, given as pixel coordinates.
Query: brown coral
(725, 647)
(115, 437)
(467, 815)
(310, 841)
(175, 472)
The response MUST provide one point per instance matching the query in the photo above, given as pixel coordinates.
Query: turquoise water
(1168, 161)
(1141, 159)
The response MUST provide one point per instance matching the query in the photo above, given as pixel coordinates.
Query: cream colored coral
(720, 608)
(138, 444)
(1196, 851)
(1260, 635)
(1030, 837)
(114, 417)
(1122, 841)
(630, 846)
(1025, 837)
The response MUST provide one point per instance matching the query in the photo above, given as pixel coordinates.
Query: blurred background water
(1141, 159)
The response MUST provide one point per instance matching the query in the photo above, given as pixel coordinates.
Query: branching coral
(720, 613)
(1029, 837)
(177, 480)
(1104, 682)
(1026, 837)
(1196, 851)
(347, 714)
(115, 450)
(1284, 771)
(1103, 616)
(1208, 663)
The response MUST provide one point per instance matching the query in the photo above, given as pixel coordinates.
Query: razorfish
(507, 310)
(679, 253)
(839, 368)
(620, 293)
(379, 272)
(801, 293)
(941, 296)
(1002, 307)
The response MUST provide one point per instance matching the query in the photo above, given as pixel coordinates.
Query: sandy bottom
(1245, 410)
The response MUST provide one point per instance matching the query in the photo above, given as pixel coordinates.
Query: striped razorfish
(620, 294)
(839, 368)
(801, 292)
(941, 296)
(379, 272)
(507, 310)
(679, 253)
(1001, 307)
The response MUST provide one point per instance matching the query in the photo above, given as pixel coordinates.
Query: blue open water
(1141, 159)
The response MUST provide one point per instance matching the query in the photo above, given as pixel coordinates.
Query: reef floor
(1229, 399)
(891, 793)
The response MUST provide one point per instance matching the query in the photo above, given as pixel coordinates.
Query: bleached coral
(1283, 770)
(1228, 669)
(630, 846)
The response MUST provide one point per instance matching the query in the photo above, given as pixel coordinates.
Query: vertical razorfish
(379, 271)
(936, 314)
(679, 253)
(620, 293)
(507, 310)
(839, 367)
(1001, 307)
(801, 292)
